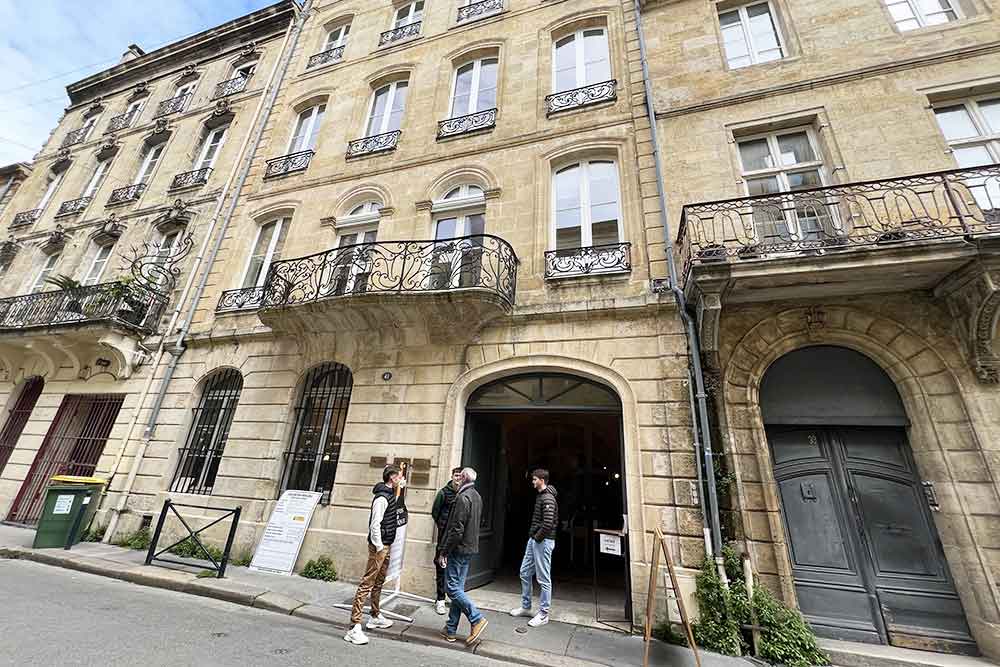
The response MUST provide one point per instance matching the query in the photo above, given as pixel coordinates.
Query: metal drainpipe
(699, 408)
(252, 142)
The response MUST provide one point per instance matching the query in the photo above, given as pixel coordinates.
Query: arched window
(314, 451)
(387, 108)
(409, 13)
(306, 130)
(202, 453)
(475, 87)
(337, 37)
(581, 59)
(266, 250)
(585, 203)
(18, 417)
(459, 223)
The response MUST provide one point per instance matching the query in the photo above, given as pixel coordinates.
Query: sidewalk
(507, 638)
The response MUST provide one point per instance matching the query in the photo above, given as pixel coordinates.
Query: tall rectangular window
(337, 37)
(210, 147)
(388, 105)
(101, 256)
(150, 158)
(586, 209)
(266, 249)
(202, 454)
(408, 14)
(39, 284)
(581, 59)
(475, 87)
(972, 129)
(913, 14)
(51, 185)
(306, 131)
(750, 35)
(96, 178)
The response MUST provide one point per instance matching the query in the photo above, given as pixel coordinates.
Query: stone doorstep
(856, 654)
(275, 602)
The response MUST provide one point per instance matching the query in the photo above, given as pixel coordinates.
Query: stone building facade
(447, 240)
(12, 176)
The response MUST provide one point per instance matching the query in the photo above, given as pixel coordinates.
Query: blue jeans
(454, 575)
(537, 563)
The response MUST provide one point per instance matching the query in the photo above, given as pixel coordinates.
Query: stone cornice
(834, 79)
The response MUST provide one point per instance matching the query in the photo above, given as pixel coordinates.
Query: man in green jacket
(443, 502)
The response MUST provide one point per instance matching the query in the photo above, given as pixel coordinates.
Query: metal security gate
(72, 446)
(19, 415)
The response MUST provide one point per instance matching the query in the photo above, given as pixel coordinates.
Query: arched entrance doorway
(572, 427)
(865, 553)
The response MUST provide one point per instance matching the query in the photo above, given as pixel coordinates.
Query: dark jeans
(439, 575)
(457, 571)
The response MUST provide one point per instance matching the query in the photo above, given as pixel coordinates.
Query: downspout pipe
(247, 153)
(699, 407)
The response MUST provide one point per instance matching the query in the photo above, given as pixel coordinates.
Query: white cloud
(45, 38)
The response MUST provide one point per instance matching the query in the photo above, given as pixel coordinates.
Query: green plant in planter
(73, 288)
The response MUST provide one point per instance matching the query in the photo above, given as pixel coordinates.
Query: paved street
(52, 616)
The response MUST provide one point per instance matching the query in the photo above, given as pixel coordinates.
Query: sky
(47, 44)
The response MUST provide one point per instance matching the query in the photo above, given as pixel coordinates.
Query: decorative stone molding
(109, 146)
(62, 159)
(141, 89)
(95, 108)
(9, 249)
(161, 126)
(55, 241)
(973, 299)
(176, 217)
(249, 51)
(109, 231)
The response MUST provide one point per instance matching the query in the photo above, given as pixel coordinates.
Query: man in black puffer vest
(382, 524)
(537, 562)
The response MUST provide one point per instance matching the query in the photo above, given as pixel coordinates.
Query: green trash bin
(70, 504)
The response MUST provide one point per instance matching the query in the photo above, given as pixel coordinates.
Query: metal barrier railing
(219, 567)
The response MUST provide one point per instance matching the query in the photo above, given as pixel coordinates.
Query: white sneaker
(439, 608)
(379, 622)
(356, 636)
(520, 611)
(540, 618)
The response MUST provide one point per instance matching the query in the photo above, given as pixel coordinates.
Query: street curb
(264, 600)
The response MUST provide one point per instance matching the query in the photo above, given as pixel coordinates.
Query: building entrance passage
(866, 557)
(72, 446)
(571, 427)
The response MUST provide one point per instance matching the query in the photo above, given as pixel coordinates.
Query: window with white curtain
(586, 210)
(387, 107)
(147, 164)
(306, 130)
(475, 87)
(750, 35)
(102, 253)
(211, 144)
(266, 249)
(913, 14)
(407, 14)
(581, 59)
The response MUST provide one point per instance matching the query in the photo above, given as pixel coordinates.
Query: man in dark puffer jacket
(537, 560)
(443, 501)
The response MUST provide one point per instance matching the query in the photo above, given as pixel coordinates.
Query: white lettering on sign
(63, 504)
(279, 547)
(611, 544)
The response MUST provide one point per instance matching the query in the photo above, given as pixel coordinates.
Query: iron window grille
(200, 457)
(287, 164)
(314, 451)
(26, 217)
(589, 261)
(402, 32)
(73, 206)
(173, 105)
(475, 122)
(606, 91)
(126, 194)
(334, 55)
(75, 137)
(189, 179)
(31, 389)
(231, 87)
(121, 121)
(377, 143)
(479, 10)
(246, 298)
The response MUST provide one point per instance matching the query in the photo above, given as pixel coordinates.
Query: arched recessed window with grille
(200, 456)
(314, 451)
(18, 417)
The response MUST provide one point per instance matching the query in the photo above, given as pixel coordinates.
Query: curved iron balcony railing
(74, 206)
(246, 298)
(121, 122)
(479, 10)
(190, 179)
(132, 306)
(75, 137)
(589, 261)
(481, 120)
(287, 164)
(327, 57)
(26, 217)
(402, 32)
(173, 105)
(480, 262)
(377, 143)
(955, 204)
(126, 194)
(230, 87)
(606, 91)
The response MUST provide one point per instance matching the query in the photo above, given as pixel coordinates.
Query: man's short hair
(470, 474)
(389, 471)
(541, 473)
(455, 471)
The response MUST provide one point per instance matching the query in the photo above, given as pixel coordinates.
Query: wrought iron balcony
(402, 32)
(589, 261)
(231, 87)
(377, 143)
(445, 284)
(327, 57)
(126, 194)
(287, 164)
(190, 179)
(74, 206)
(479, 10)
(956, 204)
(246, 298)
(121, 122)
(173, 105)
(75, 137)
(597, 93)
(130, 306)
(26, 217)
(475, 122)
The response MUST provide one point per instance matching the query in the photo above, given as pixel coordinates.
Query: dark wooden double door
(866, 557)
